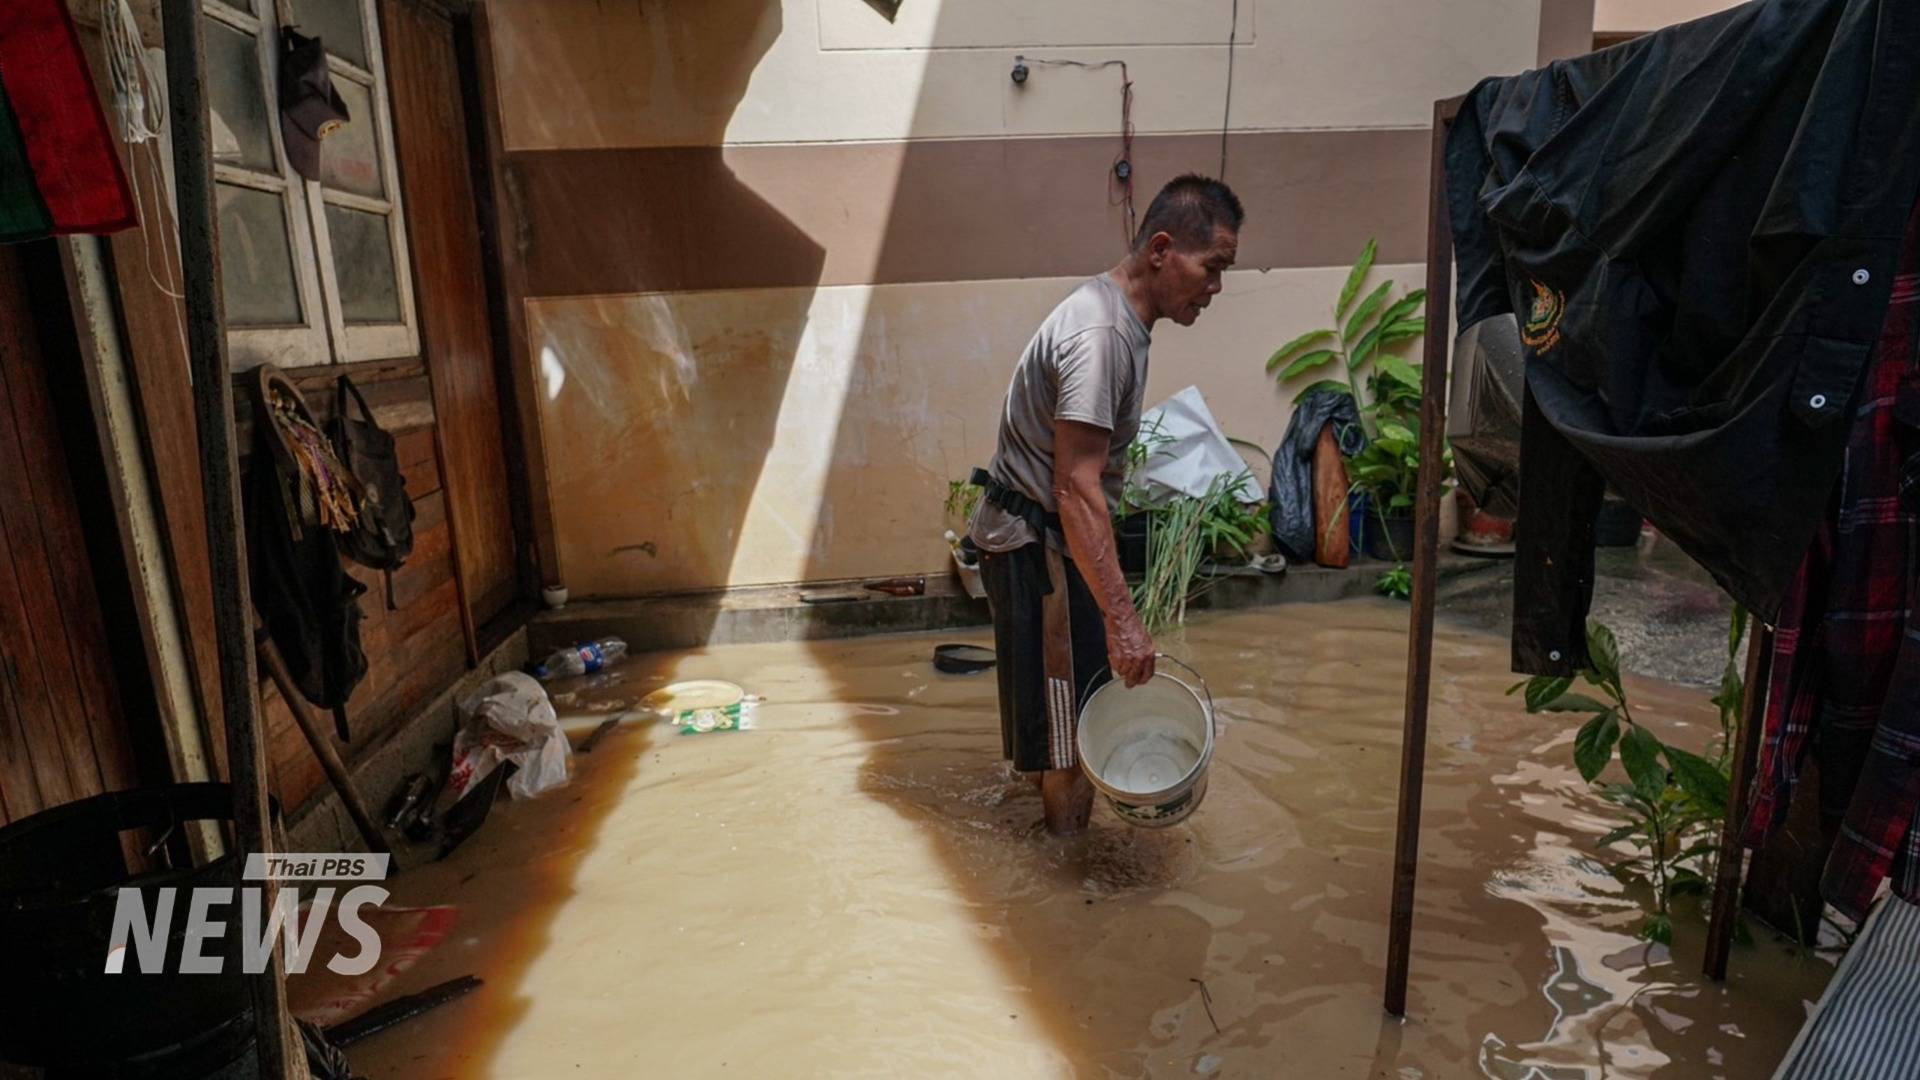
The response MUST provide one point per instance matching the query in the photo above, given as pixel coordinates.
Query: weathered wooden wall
(63, 730)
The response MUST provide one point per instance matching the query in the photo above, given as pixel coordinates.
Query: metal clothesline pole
(1426, 557)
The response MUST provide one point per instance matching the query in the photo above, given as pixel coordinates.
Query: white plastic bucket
(1147, 748)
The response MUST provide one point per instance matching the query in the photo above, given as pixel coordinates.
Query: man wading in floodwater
(1061, 609)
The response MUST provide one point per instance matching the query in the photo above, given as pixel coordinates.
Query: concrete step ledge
(764, 613)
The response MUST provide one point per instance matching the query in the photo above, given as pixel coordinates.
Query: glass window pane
(239, 116)
(363, 266)
(350, 157)
(256, 262)
(338, 26)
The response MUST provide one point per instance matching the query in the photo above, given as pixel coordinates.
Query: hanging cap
(310, 108)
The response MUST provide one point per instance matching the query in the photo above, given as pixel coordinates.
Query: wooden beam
(1426, 557)
(507, 291)
(1726, 879)
(220, 479)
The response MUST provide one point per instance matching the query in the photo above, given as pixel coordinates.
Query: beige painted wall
(1639, 16)
(767, 435)
(699, 72)
(732, 436)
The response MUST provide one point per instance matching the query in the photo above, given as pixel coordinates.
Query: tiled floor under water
(857, 888)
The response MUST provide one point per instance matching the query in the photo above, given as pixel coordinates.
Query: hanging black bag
(297, 503)
(383, 538)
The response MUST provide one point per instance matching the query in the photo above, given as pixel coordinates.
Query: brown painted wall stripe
(686, 218)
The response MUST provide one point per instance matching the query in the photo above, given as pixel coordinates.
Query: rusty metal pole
(219, 478)
(1426, 559)
(1726, 879)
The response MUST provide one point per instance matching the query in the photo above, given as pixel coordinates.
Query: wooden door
(430, 139)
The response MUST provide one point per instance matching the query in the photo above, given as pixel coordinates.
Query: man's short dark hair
(1189, 209)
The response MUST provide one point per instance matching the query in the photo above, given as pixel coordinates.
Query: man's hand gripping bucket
(1147, 748)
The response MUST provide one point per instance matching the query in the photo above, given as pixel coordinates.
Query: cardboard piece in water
(1187, 450)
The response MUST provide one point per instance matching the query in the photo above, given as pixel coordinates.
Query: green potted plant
(1385, 387)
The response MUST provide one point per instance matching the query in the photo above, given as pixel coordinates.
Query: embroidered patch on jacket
(1542, 331)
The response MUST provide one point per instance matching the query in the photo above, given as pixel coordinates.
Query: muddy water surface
(857, 888)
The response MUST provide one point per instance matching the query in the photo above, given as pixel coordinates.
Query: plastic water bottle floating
(582, 659)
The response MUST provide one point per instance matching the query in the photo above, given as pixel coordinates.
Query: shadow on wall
(629, 380)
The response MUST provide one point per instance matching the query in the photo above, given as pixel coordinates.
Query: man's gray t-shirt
(1087, 362)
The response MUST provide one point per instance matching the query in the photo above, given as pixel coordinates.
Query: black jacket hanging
(1697, 231)
(302, 592)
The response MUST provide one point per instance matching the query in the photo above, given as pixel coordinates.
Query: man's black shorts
(1039, 717)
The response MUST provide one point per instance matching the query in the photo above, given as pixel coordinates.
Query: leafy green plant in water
(1183, 531)
(1180, 536)
(1675, 800)
(1396, 583)
(1360, 332)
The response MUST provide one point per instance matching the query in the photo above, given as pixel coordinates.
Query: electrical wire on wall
(1120, 176)
(1226, 115)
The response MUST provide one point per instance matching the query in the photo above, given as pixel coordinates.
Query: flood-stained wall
(781, 255)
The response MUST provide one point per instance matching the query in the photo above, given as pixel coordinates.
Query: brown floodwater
(857, 887)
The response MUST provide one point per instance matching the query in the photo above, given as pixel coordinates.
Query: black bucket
(1390, 539)
(61, 872)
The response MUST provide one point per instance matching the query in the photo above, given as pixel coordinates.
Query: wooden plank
(440, 657)
(421, 473)
(45, 704)
(507, 294)
(1331, 536)
(432, 558)
(73, 640)
(436, 175)
(414, 447)
(436, 609)
(1426, 562)
(19, 787)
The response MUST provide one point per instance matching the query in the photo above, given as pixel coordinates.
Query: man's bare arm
(1079, 458)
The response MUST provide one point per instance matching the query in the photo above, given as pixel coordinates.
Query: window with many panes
(312, 271)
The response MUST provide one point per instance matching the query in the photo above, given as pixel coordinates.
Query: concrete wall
(1640, 16)
(782, 254)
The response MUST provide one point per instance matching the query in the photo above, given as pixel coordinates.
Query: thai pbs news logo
(206, 912)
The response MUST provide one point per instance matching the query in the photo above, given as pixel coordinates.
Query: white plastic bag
(1197, 453)
(510, 719)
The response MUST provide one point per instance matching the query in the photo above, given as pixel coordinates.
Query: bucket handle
(1212, 715)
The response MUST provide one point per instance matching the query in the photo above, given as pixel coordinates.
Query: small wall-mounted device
(1019, 70)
